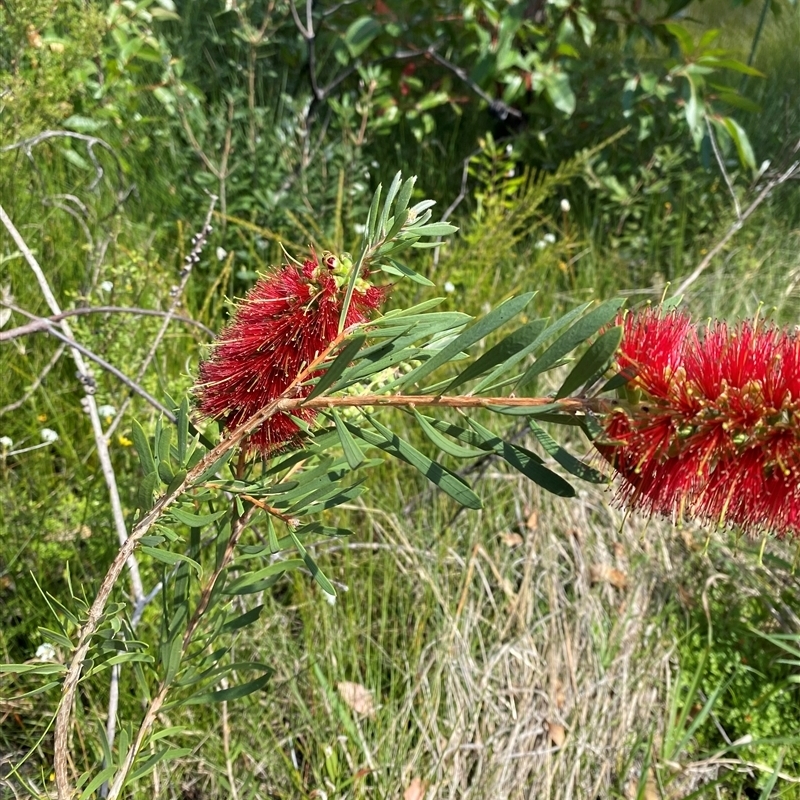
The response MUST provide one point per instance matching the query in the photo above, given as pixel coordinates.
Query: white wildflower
(107, 411)
(6, 442)
(330, 599)
(49, 435)
(46, 652)
(449, 287)
(565, 206)
(550, 238)
(541, 244)
(106, 286)
(221, 253)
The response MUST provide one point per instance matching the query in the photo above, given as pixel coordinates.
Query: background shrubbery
(535, 647)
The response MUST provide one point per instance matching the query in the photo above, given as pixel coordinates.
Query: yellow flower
(42, 418)
(124, 440)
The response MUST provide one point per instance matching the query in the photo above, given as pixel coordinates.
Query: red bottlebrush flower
(713, 427)
(285, 321)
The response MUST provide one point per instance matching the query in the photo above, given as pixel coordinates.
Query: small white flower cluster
(6, 442)
(49, 435)
(547, 239)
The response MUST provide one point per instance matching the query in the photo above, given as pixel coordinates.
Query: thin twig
(83, 371)
(36, 384)
(722, 169)
(736, 226)
(39, 326)
(237, 529)
(191, 259)
(85, 375)
(27, 145)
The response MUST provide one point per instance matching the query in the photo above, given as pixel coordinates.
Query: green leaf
(214, 468)
(559, 91)
(338, 366)
(551, 330)
(243, 620)
(232, 693)
(404, 196)
(352, 452)
(433, 229)
(166, 754)
(573, 465)
(501, 352)
(371, 227)
(165, 473)
(390, 443)
(142, 445)
(741, 140)
(683, 37)
(394, 188)
(183, 430)
(97, 781)
(168, 557)
(311, 565)
(525, 462)
(360, 35)
(272, 571)
(170, 653)
(594, 362)
(33, 669)
(402, 271)
(420, 308)
(196, 520)
(327, 498)
(482, 328)
(83, 124)
(144, 495)
(577, 334)
(163, 443)
(443, 443)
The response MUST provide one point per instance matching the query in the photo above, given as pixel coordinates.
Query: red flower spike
(286, 320)
(713, 427)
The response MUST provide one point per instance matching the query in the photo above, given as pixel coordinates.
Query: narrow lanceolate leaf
(573, 465)
(183, 430)
(98, 779)
(163, 444)
(232, 693)
(482, 328)
(352, 452)
(504, 369)
(390, 443)
(443, 443)
(168, 557)
(339, 365)
(243, 583)
(593, 363)
(165, 754)
(394, 188)
(579, 332)
(142, 445)
(421, 308)
(402, 271)
(501, 352)
(313, 568)
(526, 462)
(196, 520)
